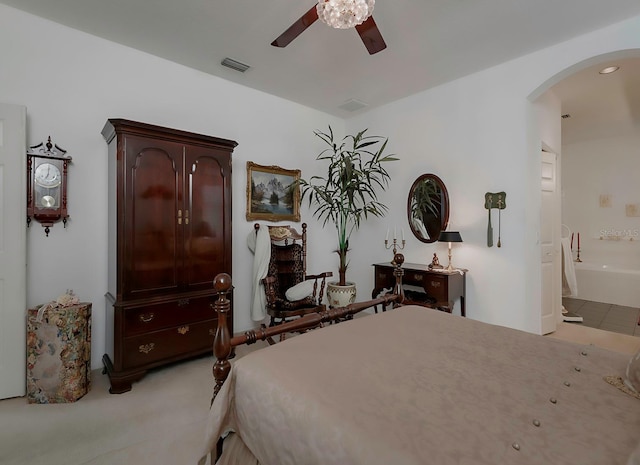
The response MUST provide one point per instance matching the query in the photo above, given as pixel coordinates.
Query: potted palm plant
(348, 194)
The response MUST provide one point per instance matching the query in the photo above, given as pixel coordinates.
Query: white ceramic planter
(341, 296)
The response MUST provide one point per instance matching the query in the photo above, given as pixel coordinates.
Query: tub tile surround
(609, 317)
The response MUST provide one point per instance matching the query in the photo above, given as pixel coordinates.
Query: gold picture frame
(273, 193)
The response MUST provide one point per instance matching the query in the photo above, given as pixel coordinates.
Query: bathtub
(608, 284)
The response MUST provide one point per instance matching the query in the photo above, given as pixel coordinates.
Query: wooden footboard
(223, 343)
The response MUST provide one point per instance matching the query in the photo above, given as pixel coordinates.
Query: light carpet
(160, 421)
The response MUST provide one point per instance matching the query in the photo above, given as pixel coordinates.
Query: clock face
(48, 175)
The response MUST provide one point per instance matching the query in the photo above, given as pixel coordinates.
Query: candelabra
(395, 245)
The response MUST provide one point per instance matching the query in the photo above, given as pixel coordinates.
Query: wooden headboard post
(398, 272)
(222, 339)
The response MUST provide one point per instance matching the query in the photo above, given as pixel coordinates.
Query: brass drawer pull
(183, 302)
(183, 330)
(146, 317)
(146, 348)
(212, 332)
(418, 277)
(435, 283)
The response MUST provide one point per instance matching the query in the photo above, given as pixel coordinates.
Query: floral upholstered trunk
(58, 353)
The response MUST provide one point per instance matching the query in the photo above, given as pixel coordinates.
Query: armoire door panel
(156, 213)
(207, 179)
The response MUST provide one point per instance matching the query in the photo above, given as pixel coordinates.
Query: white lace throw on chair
(260, 245)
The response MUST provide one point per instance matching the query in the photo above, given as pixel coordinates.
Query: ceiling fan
(367, 30)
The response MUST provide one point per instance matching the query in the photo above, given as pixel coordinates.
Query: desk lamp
(450, 236)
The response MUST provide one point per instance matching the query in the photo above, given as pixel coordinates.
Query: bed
(417, 386)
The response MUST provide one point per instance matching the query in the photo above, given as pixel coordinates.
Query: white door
(13, 256)
(550, 246)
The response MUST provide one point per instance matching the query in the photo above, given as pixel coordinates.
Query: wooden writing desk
(441, 288)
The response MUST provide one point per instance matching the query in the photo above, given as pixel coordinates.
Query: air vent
(566, 115)
(353, 105)
(233, 64)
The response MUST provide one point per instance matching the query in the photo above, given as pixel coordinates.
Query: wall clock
(47, 185)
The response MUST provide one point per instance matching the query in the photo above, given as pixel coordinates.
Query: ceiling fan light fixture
(344, 14)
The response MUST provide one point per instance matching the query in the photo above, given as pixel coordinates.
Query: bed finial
(222, 341)
(398, 272)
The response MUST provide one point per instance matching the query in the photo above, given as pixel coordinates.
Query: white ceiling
(428, 41)
(600, 105)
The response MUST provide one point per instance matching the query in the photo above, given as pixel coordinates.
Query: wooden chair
(287, 268)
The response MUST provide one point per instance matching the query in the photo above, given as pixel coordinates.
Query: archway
(573, 74)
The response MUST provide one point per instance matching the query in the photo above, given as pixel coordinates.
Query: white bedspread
(426, 387)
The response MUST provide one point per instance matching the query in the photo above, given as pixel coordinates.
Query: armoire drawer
(170, 342)
(140, 320)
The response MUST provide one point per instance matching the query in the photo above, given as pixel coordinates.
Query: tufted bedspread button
(578, 369)
(584, 352)
(567, 383)
(536, 422)
(553, 400)
(516, 446)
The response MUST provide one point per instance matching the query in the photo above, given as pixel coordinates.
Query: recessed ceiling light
(609, 69)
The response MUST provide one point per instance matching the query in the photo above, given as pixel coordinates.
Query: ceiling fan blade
(296, 28)
(371, 37)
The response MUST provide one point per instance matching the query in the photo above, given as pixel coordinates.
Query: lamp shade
(450, 236)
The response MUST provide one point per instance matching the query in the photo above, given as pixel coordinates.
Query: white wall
(603, 167)
(479, 134)
(72, 82)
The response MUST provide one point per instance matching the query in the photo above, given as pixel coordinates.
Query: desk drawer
(384, 277)
(171, 342)
(140, 320)
(416, 278)
(436, 286)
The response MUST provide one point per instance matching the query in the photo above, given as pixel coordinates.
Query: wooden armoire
(169, 235)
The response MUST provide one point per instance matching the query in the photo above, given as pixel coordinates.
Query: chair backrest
(288, 264)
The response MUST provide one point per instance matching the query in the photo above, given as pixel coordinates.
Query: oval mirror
(428, 207)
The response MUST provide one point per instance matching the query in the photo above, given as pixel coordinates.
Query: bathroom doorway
(600, 199)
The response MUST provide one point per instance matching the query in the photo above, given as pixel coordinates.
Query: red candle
(578, 241)
(571, 241)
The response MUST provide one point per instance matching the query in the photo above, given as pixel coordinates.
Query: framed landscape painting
(272, 193)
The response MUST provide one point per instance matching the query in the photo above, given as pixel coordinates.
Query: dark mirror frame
(437, 216)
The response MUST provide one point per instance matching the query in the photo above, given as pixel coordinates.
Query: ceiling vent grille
(353, 105)
(236, 65)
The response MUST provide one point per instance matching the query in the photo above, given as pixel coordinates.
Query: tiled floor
(605, 316)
